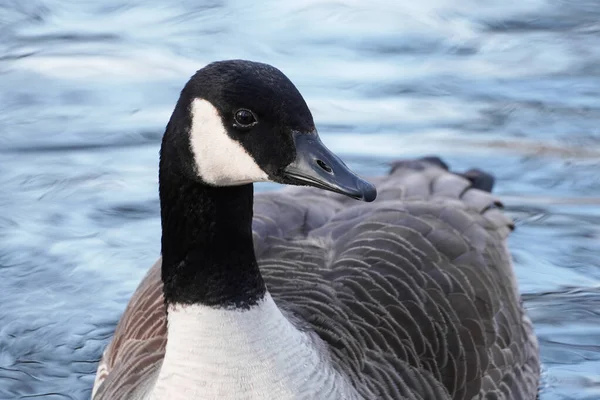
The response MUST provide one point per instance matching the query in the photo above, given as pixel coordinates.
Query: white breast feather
(254, 354)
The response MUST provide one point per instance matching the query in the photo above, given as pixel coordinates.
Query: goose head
(238, 122)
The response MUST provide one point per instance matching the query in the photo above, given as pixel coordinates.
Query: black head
(238, 122)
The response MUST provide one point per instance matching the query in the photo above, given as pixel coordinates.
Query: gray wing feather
(414, 294)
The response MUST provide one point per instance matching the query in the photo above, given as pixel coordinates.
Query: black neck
(207, 245)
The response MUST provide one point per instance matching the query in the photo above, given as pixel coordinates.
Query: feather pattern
(414, 294)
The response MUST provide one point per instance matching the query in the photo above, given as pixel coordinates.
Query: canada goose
(315, 295)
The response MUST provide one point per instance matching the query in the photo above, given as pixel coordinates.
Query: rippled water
(86, 88)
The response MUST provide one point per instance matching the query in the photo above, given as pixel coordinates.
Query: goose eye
(245, 119)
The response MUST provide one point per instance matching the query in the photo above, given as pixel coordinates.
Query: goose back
(414, 294)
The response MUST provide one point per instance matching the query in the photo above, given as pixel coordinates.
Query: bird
(335, 287)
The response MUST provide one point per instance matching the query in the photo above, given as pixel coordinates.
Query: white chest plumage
(252, 354)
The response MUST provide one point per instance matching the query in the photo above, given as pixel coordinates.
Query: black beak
(315, 165)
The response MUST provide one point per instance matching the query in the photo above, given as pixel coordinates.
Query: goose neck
(207, 245)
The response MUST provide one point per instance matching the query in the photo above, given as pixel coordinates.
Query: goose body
(321, 297)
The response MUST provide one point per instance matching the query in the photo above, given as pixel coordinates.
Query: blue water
(86, 88)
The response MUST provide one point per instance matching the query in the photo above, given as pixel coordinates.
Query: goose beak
(315, 165)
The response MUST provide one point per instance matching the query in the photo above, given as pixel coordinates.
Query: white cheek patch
(221, 161)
